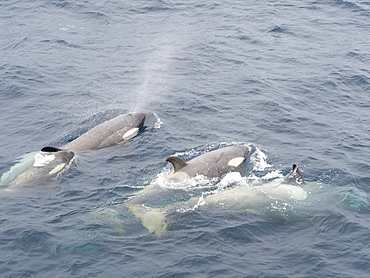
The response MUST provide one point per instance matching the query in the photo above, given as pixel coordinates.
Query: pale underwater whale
(37, 169)
(254, 199)
(214, 164)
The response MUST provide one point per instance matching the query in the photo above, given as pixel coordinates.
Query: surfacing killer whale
(213, 164)
(107, 134)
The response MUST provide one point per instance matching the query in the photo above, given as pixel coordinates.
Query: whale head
(62, 161)
(56, 161)
(295, 176)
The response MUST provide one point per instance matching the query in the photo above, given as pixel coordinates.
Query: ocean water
(290, 79)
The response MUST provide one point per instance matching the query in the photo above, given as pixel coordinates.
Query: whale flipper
(295, 176)
(176, 162)
(51, 149)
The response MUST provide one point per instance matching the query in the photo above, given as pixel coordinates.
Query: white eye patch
(235, 162)
(57, 168)
(131, 133)
(42, 160)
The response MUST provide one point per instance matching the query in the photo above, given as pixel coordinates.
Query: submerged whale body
(254, 199)
(212, 164)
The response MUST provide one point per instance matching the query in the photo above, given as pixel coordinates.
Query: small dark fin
(49, 149)
(176, 162)
(295, 176)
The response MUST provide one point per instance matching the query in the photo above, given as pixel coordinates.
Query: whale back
(109, 133)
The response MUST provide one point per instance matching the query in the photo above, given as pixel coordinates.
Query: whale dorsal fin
(51, 149)
(176, 162)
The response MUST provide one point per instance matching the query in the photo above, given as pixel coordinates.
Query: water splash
(42, 160)
(259, 159)
(198, 182)
(158, 122)
(273, 175)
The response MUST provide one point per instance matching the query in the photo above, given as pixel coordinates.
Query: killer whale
(213, 164)
(107, 134)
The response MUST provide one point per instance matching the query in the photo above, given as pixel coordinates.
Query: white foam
(231, 178)
(42, 160)
(158, 122)
(259, 159)
(199, 181)
(188, 184)
(273, 175)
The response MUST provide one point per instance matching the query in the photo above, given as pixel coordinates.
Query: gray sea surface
(290, 79)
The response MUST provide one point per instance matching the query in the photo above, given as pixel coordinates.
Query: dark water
(289, 78)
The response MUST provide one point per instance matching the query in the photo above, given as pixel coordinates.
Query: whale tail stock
(154, 219)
